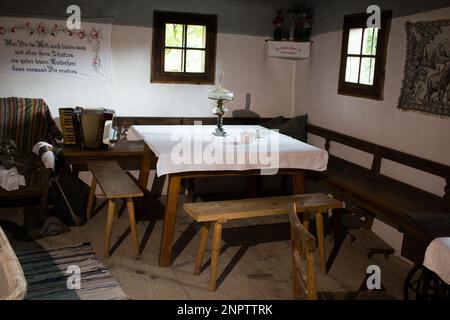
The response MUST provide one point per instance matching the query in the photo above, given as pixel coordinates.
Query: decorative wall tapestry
(427, 68)
(47, 47)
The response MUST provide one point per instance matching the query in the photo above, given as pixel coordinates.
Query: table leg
(298, 183)
(145, 167)
(170, 215)
(252, 185)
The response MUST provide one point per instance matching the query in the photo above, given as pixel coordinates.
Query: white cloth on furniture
(203, 149)
(44, 150)
(437, 258)
(11, 180)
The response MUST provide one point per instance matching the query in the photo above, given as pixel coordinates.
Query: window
(363, 56)
(184, 48)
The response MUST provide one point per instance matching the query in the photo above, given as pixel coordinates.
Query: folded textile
(45, 151)
(11, 179)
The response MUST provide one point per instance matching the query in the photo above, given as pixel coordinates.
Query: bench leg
(109, 223)
(91, 199)
(132, 218)
(321, 241)
(201, 247)
(217, 236)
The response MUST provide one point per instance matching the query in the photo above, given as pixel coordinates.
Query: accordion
(87, 128)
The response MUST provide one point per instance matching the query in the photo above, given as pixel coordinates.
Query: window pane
(196, 36)
(354, 41)
(352, 69)
(195, 61)
(370, 41)
(173, 60)
(174, 35)
(367, 71)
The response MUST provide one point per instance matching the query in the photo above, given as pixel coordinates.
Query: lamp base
(219, 132)
(219, 111)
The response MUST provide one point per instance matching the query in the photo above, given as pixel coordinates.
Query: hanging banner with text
(47, 47)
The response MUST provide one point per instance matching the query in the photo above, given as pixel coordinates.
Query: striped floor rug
(47, 276)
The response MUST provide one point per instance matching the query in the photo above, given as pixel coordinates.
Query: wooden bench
(219, 212)
(115, 184)
(394, 202)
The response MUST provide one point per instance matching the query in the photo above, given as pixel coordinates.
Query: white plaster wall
(242, 58)
(377, 121)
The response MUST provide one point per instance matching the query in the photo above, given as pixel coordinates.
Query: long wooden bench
(219, 212)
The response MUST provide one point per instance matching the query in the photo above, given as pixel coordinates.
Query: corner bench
(393, 202)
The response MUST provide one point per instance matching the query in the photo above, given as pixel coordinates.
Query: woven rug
(47, 276)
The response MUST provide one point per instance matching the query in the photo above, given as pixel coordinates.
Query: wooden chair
(302, 240)
(115, 184)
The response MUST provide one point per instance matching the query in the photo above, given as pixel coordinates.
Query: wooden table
(127, 153)
(173, 191)
(292, 158)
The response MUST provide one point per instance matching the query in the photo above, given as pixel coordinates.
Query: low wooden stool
(115, 184)
(219, 212)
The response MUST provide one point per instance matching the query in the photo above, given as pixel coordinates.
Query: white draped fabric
(194, 148)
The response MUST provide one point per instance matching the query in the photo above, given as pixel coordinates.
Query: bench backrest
(380, 152)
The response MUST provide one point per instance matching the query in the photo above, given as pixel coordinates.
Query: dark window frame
(374, 91)
(158, 75)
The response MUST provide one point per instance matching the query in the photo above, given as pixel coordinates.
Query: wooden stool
(115, 184)
(219, 212)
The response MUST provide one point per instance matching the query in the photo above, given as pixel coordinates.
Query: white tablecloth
(437, 258)
(194, 148)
